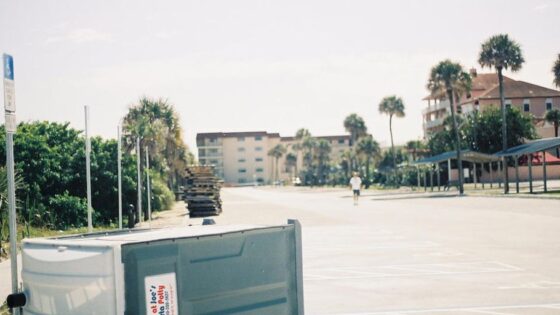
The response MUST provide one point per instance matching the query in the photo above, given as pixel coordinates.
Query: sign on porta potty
(161, 294)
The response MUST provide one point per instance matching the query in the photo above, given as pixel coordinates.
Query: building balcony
(442, 105)
(433, 123)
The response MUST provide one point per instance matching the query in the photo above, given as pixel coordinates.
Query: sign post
(119, 154)
(88, 172)
(148, 188)
(11, 125)
(139, 182)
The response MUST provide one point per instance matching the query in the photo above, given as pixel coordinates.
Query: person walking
(356, 184)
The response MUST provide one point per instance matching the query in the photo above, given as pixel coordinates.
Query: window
(258, 159)
(526, 107)
(242, 180)
(241, 160)
(258, 149)
(259, 170)
(258, 138)
(240, 139)
(548, 104)
(212, 151)
(260, 180)
(201, 152)
(213, 162)
(240, 149)
(212, 140)
(242, 170)
(341, 141)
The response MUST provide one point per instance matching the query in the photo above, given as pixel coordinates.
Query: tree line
(490, 131)
(51, 172)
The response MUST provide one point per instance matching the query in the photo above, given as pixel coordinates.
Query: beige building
(529, 98)
(241, 158)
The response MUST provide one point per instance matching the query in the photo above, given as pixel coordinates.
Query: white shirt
(356, 182)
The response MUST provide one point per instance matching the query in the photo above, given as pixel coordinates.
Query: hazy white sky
(256, 65)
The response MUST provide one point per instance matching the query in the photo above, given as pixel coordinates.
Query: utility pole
(149, 194)
(119, 159)
(139, 181)
(88, 172)
(11, 126)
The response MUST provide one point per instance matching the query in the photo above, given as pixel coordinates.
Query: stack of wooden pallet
(201, 191)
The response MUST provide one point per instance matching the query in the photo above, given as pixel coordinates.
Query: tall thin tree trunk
(457, 141)
(504, 130)
(392, 145)
(556, 135)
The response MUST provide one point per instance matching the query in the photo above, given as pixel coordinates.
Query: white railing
(439, 106)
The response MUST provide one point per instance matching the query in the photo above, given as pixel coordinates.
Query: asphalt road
(409, 254)
(414, 254)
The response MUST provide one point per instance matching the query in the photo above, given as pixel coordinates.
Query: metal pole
(119, 159)
(500, 165)
(425, 180)
(431, 178)
(88, 171)
(491, 175)
(438, 178)
(12, 209)
(530, 173)
(516, 173)
(11, 126)
(148, 187)
(418, 177)
(544, 170)
(139, 181)
(475, 176)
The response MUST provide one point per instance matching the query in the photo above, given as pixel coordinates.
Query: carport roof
(531, 147)
(466, 155)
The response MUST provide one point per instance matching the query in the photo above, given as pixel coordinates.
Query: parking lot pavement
(446, 255)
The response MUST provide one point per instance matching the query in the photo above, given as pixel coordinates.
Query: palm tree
(501, 53)
(356, 126)
(392, 106)
(369, 148)
(556, 72)
(553, 117)
(322, 154)
(448, 78)
(301, 134)
(291, 163)
(277, 152)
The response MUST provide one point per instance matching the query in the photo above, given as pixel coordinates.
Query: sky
(257, 65)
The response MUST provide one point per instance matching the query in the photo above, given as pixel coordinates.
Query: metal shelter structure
(529, 149)
(466, 155)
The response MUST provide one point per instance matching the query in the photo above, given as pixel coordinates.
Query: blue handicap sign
(8, 67)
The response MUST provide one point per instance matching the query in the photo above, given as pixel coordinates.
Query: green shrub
(162, 197)
(68, 211)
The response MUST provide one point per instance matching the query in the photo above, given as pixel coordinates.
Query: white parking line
(366, 272)
(475, 309)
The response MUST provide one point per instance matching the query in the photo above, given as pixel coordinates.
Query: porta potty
(208, 269)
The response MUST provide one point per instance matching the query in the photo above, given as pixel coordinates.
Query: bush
(68, 211)
(162, 197)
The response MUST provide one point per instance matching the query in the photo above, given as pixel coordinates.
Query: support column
(491, 176)
(530, 159)
(448, 172)
(418, 177)
(544, 170)
(438, 178)
(432, 177)
(500, 166)
(475, 176)
(425, 181)
(516, 173)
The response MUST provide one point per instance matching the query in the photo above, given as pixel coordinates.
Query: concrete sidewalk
(6, 278)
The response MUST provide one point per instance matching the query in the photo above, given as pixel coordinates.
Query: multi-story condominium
(242, 157)
(529, 98)
(238, 157)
